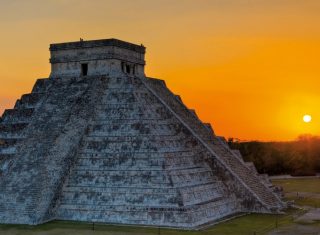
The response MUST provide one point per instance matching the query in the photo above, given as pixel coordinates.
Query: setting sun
(307, 118)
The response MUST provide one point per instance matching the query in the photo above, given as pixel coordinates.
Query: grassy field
(310, 185)
(305, 192)
(247, 224)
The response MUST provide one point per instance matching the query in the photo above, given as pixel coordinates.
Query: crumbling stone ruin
(98, 141)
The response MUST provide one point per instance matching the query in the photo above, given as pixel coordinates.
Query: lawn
(310, 185)
(305, 192)
(247, 224)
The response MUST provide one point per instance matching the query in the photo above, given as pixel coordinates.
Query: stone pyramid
(98, 141)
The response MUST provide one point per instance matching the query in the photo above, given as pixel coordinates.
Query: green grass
(311, 185)
(248, 224)
(306, 201)
(258, 223)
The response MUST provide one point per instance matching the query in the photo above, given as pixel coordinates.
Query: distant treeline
(300, 157)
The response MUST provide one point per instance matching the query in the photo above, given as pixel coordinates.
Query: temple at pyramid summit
(99, 141)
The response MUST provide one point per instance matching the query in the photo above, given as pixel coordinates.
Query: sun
(307, 118)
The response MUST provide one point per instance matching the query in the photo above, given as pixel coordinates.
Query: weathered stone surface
(102, 57)
(118, 147)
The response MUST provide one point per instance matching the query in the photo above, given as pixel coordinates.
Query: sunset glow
(307, 118)
(250, 68)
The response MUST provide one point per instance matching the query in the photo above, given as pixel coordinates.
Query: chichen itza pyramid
(98, 141)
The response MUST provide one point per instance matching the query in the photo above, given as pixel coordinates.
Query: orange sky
(249, 67)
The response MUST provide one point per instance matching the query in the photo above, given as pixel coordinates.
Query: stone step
(185, 189)
(18, 136)
(91, 179)
(12, 128)
(121, 208)
(28, 100)
(123, 82)
(131, 106)
(119, 97)
(128, 182)
(130, 138)
(197, 198)
(140, 129)
(143, 170)
(118, 199)
(139, 112)
(41, 85)
(6, 156)
(10, 150)
(186, 153)
(97, 148)
(123, 163)
(138, 121)
(137, 143)
(129, 189)
(7, 142)
(17, 115)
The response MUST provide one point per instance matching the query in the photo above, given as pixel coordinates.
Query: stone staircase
(218, 149)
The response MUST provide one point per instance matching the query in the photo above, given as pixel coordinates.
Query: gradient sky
(249, 67)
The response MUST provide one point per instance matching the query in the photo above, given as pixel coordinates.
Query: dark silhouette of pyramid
(98, 141)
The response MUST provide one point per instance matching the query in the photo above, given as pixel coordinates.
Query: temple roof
(97, 43)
